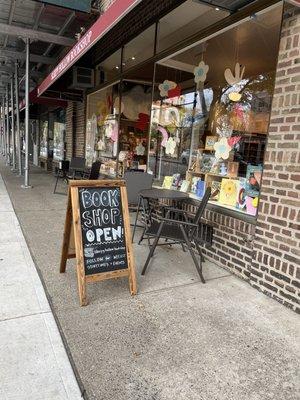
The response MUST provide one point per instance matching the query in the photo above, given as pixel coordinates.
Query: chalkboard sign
(102, 226)
(100, 238)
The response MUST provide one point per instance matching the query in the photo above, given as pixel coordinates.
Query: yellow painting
(167, 183)
(229, 191)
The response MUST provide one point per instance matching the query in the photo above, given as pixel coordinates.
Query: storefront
(199, 98)
(198, 117)
(52, 144)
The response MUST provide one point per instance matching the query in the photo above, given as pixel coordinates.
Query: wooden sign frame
(73, 244)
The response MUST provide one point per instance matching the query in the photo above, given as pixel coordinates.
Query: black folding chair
(62, 171)
(94, 173)
(77, 168)
(180, 230)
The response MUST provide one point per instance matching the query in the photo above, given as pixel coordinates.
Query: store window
(210, 114)
(102, 131)
(44, 136)
(59, 130)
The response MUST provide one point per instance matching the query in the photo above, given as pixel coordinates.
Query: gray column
(3, 124)
(26, 167)
(7, 128)
(18, 137)
(13, 137)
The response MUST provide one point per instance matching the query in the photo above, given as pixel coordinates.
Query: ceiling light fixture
(217, 9)
(133, 58)
(117, 67)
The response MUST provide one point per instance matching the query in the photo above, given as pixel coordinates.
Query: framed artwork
(167, 183)
(206, 163)
(232, 169)
(210, 141)
(253, 180)
(215, 190)
(229, 192)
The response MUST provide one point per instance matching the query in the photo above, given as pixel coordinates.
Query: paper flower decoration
(165, 87)
(140, 150)
(170, 146)
(234, 79)
(222, 149)
(142, 122)
(200, 72)
(176, 92)
(232, 141)
(164, 135)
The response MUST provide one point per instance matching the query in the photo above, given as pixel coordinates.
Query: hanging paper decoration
(102, 111)
(200, 72)
(235, 96)
(222, 149)
(170, 146)
(176, 92)
(142, 122)
(233, 140)
(170, 116)
(234, 79)
(164, 134)
(165, 87)
(140, 150)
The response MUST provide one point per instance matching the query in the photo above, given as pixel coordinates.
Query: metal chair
(94, 173)
(180, 230)
(135, 182)
(62, 172)
(77, 168)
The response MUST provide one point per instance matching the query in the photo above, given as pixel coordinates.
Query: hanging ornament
(235, 96)
(232, 141)
(222, 149)
(200, 72)
(142, 122)
(165, 87)
(164, 134)
(170, 146)
(140, 150)
(176, 92)
(234, 79)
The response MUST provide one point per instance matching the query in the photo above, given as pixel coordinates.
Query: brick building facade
(276, 259)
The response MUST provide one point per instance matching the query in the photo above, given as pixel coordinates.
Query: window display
(211, 112)
(44, 138)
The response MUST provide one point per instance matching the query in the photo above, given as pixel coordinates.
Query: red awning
(103, 24)
(34, 99)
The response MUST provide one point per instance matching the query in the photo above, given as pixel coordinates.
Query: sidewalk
(178, 339)
(33, 362)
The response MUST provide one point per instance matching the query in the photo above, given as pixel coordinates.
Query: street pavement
(33, 361)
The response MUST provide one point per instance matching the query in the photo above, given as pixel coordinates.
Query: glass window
(59, 129)
(211, 111)
(102, 130)
(44, 136)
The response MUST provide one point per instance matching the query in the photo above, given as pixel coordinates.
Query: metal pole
(7, 128)
(18, 118)
(13, 137)
(26, 167)
(3, 126)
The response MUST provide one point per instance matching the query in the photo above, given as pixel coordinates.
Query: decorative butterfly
(234, 79)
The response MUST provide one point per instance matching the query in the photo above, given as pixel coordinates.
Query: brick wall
(276, 263)
(75, 129)
(232, 246)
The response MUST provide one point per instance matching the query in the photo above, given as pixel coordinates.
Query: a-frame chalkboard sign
(97, 233)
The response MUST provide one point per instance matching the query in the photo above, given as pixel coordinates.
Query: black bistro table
(146, 195)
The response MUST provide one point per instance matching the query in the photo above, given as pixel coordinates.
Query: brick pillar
(75, 129)
(276, 267)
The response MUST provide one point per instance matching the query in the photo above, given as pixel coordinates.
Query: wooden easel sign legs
(97, 233)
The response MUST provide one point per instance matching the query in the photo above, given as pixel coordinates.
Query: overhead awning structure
(34, 99)
(104, 23)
